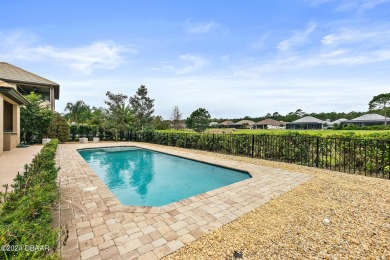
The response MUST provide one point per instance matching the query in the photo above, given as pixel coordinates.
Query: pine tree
(176, 118)
(142, 107)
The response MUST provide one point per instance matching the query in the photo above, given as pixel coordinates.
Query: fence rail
(358, 156)
(368, 157)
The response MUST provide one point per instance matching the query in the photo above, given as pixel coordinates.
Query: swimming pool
(141, 177)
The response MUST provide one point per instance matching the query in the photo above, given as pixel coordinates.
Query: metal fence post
(317, 151)
(253, 145)
(212, 147)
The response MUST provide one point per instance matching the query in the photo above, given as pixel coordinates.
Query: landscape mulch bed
(334, 215)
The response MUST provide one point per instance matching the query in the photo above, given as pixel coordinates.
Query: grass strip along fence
(365, 156)
(26, 230)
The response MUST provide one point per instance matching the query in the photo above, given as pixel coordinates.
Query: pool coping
(99, 225)
(173, 205)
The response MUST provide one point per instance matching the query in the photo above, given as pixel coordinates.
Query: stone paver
(100, 227)
(13, 162)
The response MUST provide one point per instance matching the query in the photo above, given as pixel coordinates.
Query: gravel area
(333, 216)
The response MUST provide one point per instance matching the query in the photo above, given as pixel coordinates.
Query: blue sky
(234, 58)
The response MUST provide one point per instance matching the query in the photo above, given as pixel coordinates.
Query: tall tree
(142, 106)
(160, 124)
(97, 116)
(176, 118)
(78, 112)
(300, 113)
(35, 119)
(381, 101)
(119, 116)
(198, 120)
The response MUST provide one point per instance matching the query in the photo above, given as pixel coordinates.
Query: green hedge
(350, 152)
(25, 212)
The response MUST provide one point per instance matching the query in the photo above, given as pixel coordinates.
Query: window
(8, 117)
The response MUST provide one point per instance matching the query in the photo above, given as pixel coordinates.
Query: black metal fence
(358, 156)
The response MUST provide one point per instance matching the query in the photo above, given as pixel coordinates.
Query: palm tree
(79, 112)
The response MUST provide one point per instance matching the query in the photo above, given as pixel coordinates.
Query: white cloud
(225, 58)
(297, 38)
(334, 58)
(97, 55)
(354, 35)
(201, 27)
(187, 63)
(360, 6)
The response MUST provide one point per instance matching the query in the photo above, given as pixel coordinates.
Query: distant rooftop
(226, 123)
(338, 121)
(369, 117)
(307, 120)
(248, 122)
(269, 121)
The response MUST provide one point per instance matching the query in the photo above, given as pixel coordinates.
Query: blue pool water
(141, 177)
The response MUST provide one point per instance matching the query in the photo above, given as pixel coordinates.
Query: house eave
(14, 95)
(56, 86)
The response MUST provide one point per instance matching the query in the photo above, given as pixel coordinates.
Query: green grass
(309, 132)
(182, 131)
(355, 133)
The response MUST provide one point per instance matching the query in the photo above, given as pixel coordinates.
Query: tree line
(378, 104)
(135, 113)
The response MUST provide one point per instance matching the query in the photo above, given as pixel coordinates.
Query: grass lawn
(281, 131)
(329, 132)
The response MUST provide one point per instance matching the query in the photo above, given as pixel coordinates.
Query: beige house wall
(9, 141)
(13, 85)
(1, 123)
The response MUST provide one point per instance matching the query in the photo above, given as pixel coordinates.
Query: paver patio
(13, 161)
(100, 227)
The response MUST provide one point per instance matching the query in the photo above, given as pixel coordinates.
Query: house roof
(307, 120)
(269, 121)
(249, 122)
(369, 118)
(228, 122)
(11, 73)
(12, 94)
(338, 121)
(5, 84)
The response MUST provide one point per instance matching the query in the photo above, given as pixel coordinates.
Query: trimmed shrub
(59, 129)
(351, 152)
(25, 212)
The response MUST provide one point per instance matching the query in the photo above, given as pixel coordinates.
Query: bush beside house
(26, 212)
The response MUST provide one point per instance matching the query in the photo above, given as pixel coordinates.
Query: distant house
(227, 124)
(245, 124)
(213, 124)
(367, 120)
(269, 123)
(336, 122)
(25, 82)
(307, 122)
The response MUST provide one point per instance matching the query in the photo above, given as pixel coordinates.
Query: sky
(234, 58)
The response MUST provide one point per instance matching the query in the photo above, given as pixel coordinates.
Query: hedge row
(344, 152)
(26, 212)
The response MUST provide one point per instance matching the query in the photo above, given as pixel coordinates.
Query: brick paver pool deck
(100, 227)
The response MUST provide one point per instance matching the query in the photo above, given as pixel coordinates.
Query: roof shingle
(9, 72)
(307, 120)
(369, 117)
(269, 121)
